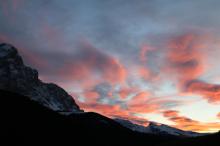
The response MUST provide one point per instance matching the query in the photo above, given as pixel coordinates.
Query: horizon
(140, 61)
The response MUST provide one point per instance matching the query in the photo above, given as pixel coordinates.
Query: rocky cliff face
(16, 77)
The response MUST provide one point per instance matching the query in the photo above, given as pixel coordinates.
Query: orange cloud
(143, 68)
(137, 105)
(143, 108)
(142, 104)
(91, 96)
(114, 71)
(113, 111)
(191, 125)
(125, 92)
(89, 63)
(211, 92)
(170, 113)
(186, 62)
(185, 58)
(218, 115)
(140, 98)
(144, 73)
(186, 123)
(105, 109)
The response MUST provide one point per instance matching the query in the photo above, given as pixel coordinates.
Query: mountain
(16, 77)
(158, 129)
(26, 122)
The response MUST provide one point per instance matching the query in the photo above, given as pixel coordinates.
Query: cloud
(170, 113)
(88, 61)
(149, 62)
(144, 52)
(91, 96)
(103, 99)
(114, 111)
(186, 123)
(185, 58)
(186, 61)
(140, 103)
(140, 98)
(105, 109)
(211, 92)
(125, 92)
(218, 115)
(144, 102)
(144, 72)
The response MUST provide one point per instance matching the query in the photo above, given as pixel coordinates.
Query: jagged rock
(16, 77)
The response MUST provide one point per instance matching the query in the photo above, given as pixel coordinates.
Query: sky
(145, 60)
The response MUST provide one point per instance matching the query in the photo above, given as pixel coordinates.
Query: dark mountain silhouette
(26, 122)
(208, 140)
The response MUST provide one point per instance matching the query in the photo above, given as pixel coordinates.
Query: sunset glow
(139, 62)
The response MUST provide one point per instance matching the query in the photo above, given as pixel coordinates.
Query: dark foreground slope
(209, 140)
(25, 122)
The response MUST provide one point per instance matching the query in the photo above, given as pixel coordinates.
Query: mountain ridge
(19, 78)
(158, 129)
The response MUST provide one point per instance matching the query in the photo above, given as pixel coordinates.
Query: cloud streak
(186, 123)
(211, 92)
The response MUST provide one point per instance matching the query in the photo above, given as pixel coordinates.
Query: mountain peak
(9, 54)
(7, 50)
(16, 77)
